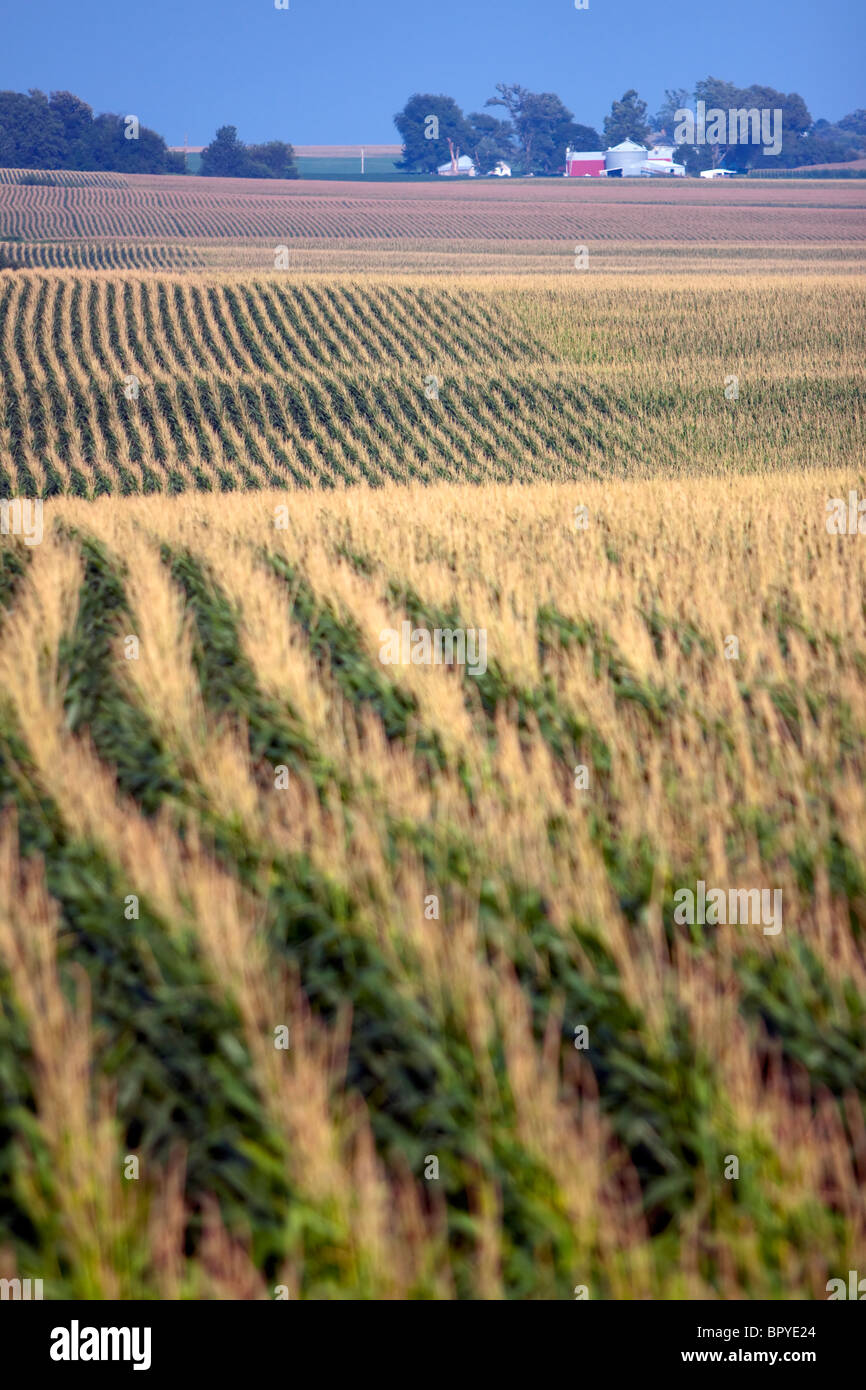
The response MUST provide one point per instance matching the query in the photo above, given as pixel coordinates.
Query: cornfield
(242, 826)
(97, 255)
(66, 178)
(127, 384)
(327, 974)
(160, 207)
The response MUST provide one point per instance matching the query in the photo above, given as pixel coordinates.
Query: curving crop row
(97, 254)
(136, 383)
(65, 178)
(209, 210)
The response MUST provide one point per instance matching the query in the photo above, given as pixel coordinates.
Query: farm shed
(660, 160)
(584, 163)
(465, 166)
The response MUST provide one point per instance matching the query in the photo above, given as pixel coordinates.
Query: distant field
(498, 225)
(321, 167)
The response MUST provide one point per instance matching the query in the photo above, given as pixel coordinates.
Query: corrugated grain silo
(626, 158)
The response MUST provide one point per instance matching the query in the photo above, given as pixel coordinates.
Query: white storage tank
(626, 157)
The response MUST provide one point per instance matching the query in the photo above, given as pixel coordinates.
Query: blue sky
(335, 71)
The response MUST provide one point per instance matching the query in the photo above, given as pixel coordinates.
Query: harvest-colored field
(432, 256)
(254, 825)
(526, 224)
(374, 969)
(149, 383)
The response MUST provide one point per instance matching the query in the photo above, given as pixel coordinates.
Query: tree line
(538, 127)
(61, 131)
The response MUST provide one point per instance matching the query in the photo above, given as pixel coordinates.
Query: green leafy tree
(627, 120)
(543, 126)
(512, 96)
(426, 124)
(490, 141)
(74, 115)
(696, 158)
(63, 133)
(276, 159)
(585, 137)
(795, 122)
(225, 157)
(228, 157)
(855, 122)
(715, 92)
(31, 134)
(676, 99)
(101, 147)
(548, 126)
(828, 143)
(105, 146)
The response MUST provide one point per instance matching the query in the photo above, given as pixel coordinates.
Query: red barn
(582, 164)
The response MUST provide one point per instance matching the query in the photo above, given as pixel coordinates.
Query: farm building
(465, 168)
(625, 160)
(584, 163)
(660, 160)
